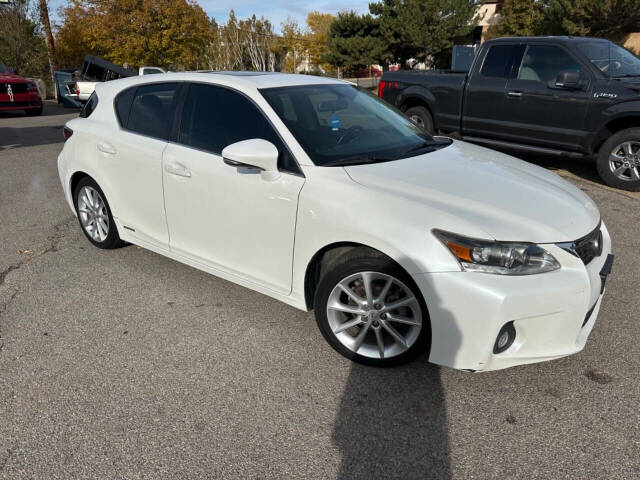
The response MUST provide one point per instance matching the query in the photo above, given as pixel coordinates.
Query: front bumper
(20, 101)
(553, 313)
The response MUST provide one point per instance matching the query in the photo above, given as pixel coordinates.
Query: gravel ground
(124, 364)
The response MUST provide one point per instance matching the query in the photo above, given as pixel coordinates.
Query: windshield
(612, 60)
(341, 125)
(3, 69)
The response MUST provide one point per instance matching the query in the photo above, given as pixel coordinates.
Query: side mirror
(253, 153)
(569, 79)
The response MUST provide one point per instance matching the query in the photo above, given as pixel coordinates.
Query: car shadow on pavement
(392, 423)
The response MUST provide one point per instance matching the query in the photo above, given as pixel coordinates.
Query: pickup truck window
(497, 63)
(543, 63)
(610, 59)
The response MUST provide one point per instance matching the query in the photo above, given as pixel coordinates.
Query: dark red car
(18, 93)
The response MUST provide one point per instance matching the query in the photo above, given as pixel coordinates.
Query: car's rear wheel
(95, 215)
(619, 160)
(421, 117)
(370, 311)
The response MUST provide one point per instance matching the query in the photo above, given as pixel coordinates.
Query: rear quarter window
(90, 106)
(123, 105)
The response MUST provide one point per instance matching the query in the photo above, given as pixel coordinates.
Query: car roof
(563, 39)
(241, 80)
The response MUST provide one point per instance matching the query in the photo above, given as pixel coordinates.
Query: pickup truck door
(538, 112)
(483, 108)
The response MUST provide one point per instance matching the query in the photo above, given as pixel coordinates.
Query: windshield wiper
(431, 146)
(356, 160)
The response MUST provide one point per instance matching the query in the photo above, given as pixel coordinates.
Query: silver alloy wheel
(374, 315)
(624, 161)
(93, 214)
(417, 120)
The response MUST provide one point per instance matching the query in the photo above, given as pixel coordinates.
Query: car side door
(484, 103)
(226, 216)
(131, 156)
(540, 112)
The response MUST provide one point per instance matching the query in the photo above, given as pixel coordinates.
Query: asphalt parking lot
(124, 364)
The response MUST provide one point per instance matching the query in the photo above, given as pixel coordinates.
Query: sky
(276, 11)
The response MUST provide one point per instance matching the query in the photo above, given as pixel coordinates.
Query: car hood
(9, 77)
(505, 197)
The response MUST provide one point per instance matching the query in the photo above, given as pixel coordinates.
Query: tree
(613, 19)
(354, 41)
(291, 45)
(317, 32)
(22, 45)
(519, 18)
(168, 33)
(423, 28)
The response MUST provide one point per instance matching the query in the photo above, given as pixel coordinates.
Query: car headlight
(502, 258)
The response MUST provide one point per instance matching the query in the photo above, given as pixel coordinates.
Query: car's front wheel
(619, 160)
(369, 309)
(95, 215)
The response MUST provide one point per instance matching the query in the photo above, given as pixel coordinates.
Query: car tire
(34, 112)
(369, 340)
(619, 160)
(421, 117)
(94, 215)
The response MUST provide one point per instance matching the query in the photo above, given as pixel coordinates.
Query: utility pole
(51, 48)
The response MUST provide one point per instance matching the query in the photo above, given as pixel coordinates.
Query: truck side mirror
(569, 79)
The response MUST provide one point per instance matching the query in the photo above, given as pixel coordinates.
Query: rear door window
(152, 110)
(123, 105)
(499, 60)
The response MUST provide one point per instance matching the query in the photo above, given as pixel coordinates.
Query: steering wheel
(351, 134)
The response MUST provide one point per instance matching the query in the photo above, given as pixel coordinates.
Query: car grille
(15, 88)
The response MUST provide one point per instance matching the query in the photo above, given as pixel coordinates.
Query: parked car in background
(18, 93)
(318, 194)
(556, 95)
(96, 70)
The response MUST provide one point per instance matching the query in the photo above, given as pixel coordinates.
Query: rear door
(131, 157)
(538, 112)
(484, 102)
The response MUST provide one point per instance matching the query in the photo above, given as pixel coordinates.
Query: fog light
(505, 339)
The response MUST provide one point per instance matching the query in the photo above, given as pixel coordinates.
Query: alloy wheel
(624, 161)
(92, 211)
(374, 315)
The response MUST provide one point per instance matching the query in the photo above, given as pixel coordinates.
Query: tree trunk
(51, 49)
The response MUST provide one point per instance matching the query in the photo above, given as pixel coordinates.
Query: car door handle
(106, 148)
(177, 169)
(514, 93)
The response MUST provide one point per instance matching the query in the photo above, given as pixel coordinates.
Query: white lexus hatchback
(322, 196)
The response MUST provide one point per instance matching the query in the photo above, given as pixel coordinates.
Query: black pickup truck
(557, 95)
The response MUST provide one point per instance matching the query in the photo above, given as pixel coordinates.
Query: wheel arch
(325, 255)
(622, 122)
(418, 98)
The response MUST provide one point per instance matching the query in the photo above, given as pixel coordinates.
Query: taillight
(382, 86)
(77, 90)
(66, 133)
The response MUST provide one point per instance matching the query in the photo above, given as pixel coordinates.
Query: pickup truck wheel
(619, 160)
(421, 117)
